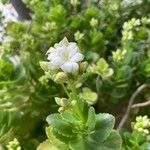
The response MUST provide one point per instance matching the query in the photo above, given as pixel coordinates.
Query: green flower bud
(73, 103)
(74, 2)
(83, 66)
(142, 124)
(62, 101)
(61, 77)
(13, 145)
(78, 36)
(90, 96)
(101, 68)
(93, 22)
(44, 65)
(61, 109)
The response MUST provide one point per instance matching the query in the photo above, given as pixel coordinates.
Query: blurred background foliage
(117, 31)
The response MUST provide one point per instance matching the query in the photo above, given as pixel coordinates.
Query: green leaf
(55, 141)
(46, 145)
(82, 144)
(103, 127)
(57, 13)
(69, 117)
(97, 38)
(92, 12)
(113, 142)
(91, 121)
(60, 125)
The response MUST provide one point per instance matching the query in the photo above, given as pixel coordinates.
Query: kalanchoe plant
(139, 138)
(76, 126)
(115, 34)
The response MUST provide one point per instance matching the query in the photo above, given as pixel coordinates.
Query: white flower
(9, 13)
(65, 55)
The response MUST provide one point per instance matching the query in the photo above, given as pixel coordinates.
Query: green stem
(77, 100)
(65, 89)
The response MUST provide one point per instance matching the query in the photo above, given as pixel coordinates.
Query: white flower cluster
(14, 145)
(8, 15)
(127, 33)
(142, 124)
(65, 55)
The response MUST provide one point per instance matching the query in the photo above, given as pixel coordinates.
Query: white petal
(51, 50)
(77, 57)
(52, 56)
(70, 67)
(55, 63)
(64, 42)
(72, 45)
(62, 52)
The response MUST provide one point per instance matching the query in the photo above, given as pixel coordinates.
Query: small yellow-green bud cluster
(43, 80)
(93, 22)
(48, 26)
(28, 39)
(142, 125)
(127, 33)
(89, 96)
(145, 20)
(118, 55)
(74, 3)
(63, 103)
(101, 68)
(78, 36)
(13, 145)
(58, 77)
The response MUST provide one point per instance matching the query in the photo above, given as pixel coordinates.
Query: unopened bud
(146, 131)
(61, 109)
(61, 77)
(62, 101)
(73, 103)
(83, 66)
(44, 65)
(93, 22)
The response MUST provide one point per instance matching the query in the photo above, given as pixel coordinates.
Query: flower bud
(78, 36)
(62, 101)
(44, 65)
(14, 145)
(74, 2)
(146, 131)
(73, 103)
(61, 109)
(83, 66)
(93, 22)
(61, 77)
